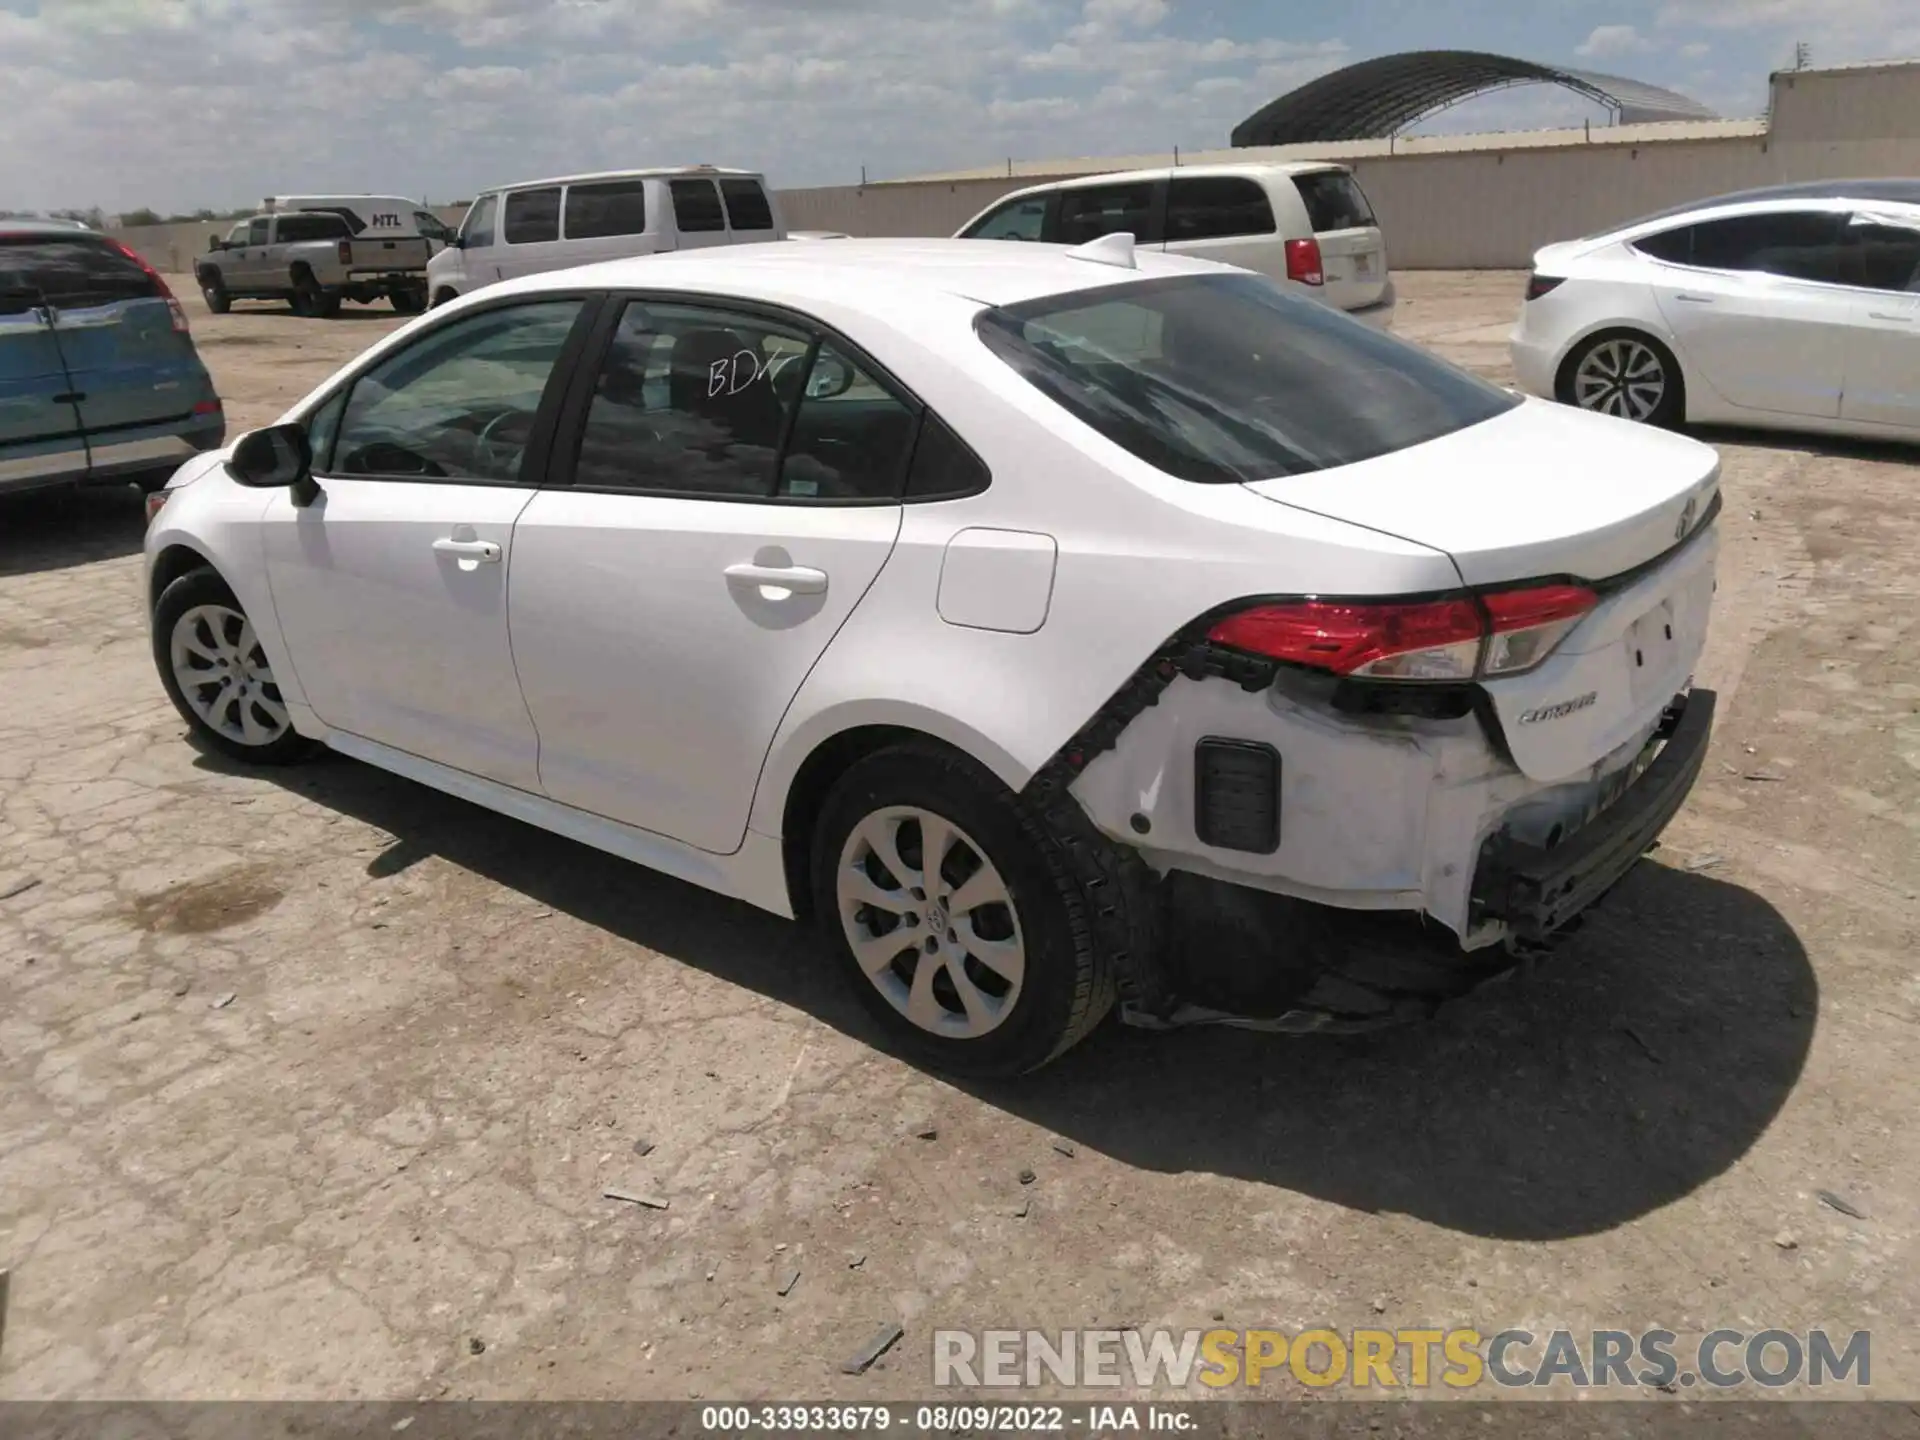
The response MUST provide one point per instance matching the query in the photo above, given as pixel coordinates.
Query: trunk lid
(35, 394)
(130, 367)
(1540, 490)
(1548, 491)
(372, 252)
(1353, 252)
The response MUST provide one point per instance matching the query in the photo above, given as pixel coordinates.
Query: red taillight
(154, 502)
(207, 407)
(160, 287)
(346, 252)
(1538, 285)
(1456, 639)
(1304, 264)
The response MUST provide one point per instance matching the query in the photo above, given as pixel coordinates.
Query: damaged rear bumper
(1534, 891)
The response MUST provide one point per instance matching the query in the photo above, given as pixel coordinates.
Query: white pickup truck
(314, 261)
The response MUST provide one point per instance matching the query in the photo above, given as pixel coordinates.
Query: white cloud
(183, 103)
(1607, 41)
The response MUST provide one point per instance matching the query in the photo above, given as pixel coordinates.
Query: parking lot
(311, 1082)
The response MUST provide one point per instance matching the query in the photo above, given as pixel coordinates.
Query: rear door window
(1224, 378)
(70, 274)
(294, 228)
(1212, 207)
(1793, 244)
(259, 230)
(613, 207)
(696, 206)
(1334, 201)
(747, 205)
(532, 216)
(1087, 212)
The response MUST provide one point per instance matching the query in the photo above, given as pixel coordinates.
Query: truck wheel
(214, 291)
(408, 301)
(443, 295)
(311, 300)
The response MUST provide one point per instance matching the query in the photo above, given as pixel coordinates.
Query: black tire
(443, 295)
(204, 587)
(214, 291)
(1082, 905)
(1669, 411)
(310, 300)
(407, 302)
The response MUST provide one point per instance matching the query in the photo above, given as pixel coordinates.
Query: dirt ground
(311, 1083)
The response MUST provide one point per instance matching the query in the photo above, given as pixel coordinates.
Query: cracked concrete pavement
(377, 1169)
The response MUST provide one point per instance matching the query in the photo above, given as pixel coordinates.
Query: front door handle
(798, 578)
(485, 551)
(1694, 299)
(1884, 315)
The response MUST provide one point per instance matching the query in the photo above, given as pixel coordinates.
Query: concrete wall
(1454, 203)
(1446, 202)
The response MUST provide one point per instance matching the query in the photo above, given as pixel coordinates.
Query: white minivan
(1307, 224)
(540, 225)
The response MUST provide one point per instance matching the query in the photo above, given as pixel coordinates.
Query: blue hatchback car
(99, 379)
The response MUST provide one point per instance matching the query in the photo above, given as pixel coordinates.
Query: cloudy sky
(177, 104)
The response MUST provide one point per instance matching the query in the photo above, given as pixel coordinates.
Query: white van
(1305, 224)
(379, 216)
(538, 225)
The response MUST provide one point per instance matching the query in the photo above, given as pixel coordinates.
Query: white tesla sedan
(1794, 307)
(957, 595)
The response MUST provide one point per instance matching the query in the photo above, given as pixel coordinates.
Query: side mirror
(214, 242)
(831, 377)
(456, 242)
(277, 457)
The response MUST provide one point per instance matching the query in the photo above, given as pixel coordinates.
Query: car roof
(1250, 169)
(13, 227)
(1891, 190)
(874, 276)
(661, 172)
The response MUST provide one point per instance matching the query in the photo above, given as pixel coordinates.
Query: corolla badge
(1560, 711)
(1687, 514)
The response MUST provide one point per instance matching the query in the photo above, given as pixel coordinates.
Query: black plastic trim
(1208, 801)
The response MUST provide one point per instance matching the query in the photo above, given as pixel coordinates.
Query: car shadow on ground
(61, 527)
(1639, 1061)
(1835, 447)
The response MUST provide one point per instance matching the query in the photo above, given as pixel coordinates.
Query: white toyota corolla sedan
(978, 602)
(1794, 307)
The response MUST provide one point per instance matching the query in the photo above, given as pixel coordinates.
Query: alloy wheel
(223, 674)
(1620, 377)
(931, 922)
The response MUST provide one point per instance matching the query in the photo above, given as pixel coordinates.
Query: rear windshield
(72, 273)
(1223, 378)
(747, 205)
(1334, 200)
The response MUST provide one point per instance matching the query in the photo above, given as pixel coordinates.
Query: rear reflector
(1538, 285)
(1236, 795)
(1304, 264)
(1463, 638)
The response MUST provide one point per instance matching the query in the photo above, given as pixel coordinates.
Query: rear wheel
(1627, 375)
(407, 301)
(311, 300)
(217, 674)
(983, 934)
(443, 295)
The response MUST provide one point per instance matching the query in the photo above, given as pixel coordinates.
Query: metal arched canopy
(1383, 96)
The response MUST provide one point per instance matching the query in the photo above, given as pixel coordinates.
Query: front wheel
(1629, 376)
(982, 933)
(214, 291)
(217, 675)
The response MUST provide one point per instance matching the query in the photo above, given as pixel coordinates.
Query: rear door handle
(798, 578)
(1694, 299)
(1884, 315)
(485, 551)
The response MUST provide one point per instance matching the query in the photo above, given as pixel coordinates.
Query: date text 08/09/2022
(1091, 1419)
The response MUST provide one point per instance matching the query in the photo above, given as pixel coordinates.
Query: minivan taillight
(1462, 638)
(161, 289)
(1538, 285)
(1304, 265)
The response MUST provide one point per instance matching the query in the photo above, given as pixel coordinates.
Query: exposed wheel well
(816, 777)
(300, 267)
(169, 565)
(444, 294)
(1563, 378)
